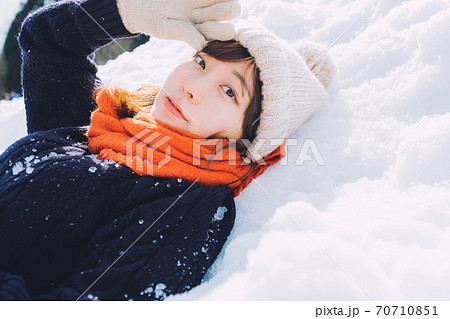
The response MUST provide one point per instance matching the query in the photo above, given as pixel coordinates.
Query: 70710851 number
(407, 310)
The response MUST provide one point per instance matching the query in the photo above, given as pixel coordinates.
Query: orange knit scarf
(151, 147)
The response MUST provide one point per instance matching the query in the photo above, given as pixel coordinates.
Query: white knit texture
(192, 21)
(290, 91)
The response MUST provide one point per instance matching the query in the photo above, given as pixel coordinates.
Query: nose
(193, 89)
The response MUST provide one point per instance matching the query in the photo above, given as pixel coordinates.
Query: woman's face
(205, 97)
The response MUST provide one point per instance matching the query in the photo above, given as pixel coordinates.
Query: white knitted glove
(193, 21)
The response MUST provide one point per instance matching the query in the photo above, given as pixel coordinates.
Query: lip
(174, 108)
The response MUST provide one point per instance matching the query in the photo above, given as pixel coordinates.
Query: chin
(158, 111)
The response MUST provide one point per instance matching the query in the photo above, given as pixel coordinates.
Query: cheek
(207, 122)
(177, 75)
(237, 127)
(227, 121)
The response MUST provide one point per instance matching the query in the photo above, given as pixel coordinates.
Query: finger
(217, 12)
(212, 30)
(181, 30)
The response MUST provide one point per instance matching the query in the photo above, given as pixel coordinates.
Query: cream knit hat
(293, 85)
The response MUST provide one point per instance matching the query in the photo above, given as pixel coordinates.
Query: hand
(193, 21)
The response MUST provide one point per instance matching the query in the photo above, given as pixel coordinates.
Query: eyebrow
(243, 82)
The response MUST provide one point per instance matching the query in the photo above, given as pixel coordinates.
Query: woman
(139, 204)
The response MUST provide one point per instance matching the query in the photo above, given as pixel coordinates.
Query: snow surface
(7, 14)
(374, 221)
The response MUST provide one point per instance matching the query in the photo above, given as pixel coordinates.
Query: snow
(220, 213)
(12, 122)
(17, 168)
(7, 14)
(373, 222)
(159, 290)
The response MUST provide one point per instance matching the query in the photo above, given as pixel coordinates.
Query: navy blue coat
(75, 227)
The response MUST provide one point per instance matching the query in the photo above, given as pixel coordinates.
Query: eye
(200, 61)
(229, 91)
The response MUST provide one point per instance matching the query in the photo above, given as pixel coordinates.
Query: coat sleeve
(157, 249)
(57, 45)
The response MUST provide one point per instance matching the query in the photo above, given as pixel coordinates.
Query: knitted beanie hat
(293, 85)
